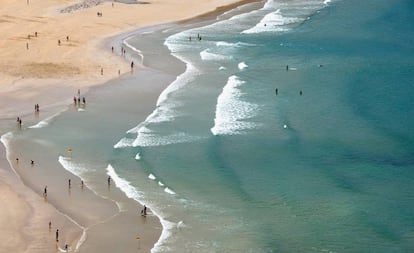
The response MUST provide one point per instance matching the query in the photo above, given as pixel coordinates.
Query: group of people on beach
(29, 36)
(19, 120)
(77, 100)
(123, 53)
(198, 37)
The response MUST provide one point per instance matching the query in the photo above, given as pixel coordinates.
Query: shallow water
(323, 165)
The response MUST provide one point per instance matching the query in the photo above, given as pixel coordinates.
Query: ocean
(290, 130)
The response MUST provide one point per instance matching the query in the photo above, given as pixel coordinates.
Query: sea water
(289, 131)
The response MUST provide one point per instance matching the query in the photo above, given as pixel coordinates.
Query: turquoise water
(324, 165)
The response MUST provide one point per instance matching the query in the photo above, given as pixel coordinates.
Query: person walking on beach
(69, 183)
(145, 210)
(109, 180)
(50, 226)
(83, 100)
(101, 71)
(132, 65)
(27, 46)
(57, 235)
(45, 192)
(58, 42)
(32, 163)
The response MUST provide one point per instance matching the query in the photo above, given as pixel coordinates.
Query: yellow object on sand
(137, 237)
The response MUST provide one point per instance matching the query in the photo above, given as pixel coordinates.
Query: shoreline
(59, 106)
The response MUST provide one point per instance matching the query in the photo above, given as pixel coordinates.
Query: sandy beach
(45, 56)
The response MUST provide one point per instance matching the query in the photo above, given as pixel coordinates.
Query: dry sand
(34, 68)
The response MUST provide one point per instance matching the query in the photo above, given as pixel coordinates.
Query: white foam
(41, 124)
(189, 75)
(169, 191)
(139, 52)
(206, 55)
(134, 194)
(125, 186)
(45, 122)
(138, 156)
(231, 112)
(161, 183)
(326, 1)
(74, 168)
(233, 45)
(5, 139)
(152, 177)
(242, 65)
(273, 22)
(124, 142)
(222, 68)
(81, 110)
(158, 139)
(181, 224)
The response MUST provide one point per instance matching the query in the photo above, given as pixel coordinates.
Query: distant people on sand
(37, 108)
(77, 100)
(144, 211)
(19, 121)
(109, 180)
